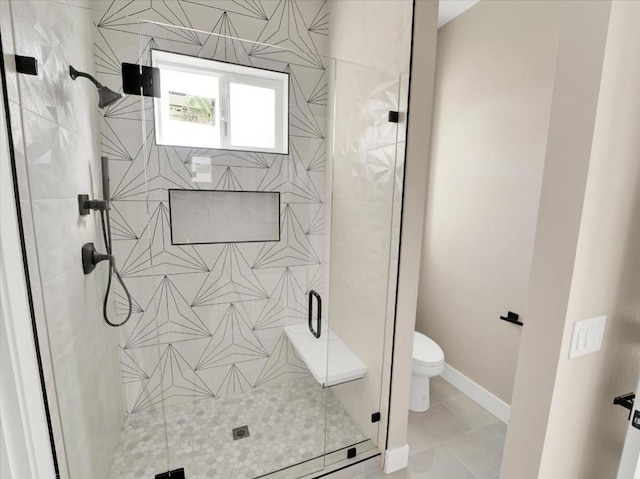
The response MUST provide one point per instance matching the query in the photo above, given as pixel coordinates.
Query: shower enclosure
(255, 199)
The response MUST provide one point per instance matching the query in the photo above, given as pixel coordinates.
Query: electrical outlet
(587, 336)
(201, 171)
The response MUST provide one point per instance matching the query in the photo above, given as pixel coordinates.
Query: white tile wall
(221, 308)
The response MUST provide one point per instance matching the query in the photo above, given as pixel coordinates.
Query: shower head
(105, 96)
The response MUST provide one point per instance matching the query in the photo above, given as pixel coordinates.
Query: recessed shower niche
(272, 206)
(220, 216)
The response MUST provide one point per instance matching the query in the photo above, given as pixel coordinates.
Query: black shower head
(106, 96)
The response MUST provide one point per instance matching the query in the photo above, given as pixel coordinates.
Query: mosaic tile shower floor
(286, 426)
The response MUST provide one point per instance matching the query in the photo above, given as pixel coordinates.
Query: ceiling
(450, 9)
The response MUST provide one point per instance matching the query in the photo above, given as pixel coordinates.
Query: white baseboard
(396, 459)
(487, 400)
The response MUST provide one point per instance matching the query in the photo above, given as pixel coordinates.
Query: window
(210, 104)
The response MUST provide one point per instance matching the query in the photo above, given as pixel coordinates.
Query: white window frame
(226, 73)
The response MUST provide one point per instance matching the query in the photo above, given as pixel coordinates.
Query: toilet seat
(426, 351)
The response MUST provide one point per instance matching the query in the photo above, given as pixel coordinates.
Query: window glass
(252, 116)
(190, 109)
(209, 104)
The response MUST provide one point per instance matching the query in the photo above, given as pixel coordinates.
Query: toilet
(428, 361)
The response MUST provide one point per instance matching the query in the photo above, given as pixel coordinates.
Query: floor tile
(438, 463)
(430, 428)
(289, 422)
(480, 450)
(441, 390)
(469, 411)
(402, 474)
(434, 463)
(455, 439)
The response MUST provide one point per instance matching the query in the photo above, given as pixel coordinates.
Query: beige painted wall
(494, 78)
(586, 431)
(581, 43)
(585, 256)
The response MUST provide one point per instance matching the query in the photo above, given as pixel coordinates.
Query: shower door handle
(317, 333)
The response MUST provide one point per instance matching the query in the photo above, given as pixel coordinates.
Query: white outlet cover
(587, 336)
(201, 169)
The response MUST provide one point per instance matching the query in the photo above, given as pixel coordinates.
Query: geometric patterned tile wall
(208, 319)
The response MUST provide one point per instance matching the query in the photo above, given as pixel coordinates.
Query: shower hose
(106, 234)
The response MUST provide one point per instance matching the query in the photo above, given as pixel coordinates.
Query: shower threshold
(330, 462)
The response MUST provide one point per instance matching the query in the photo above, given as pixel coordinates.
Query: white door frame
(24, 431)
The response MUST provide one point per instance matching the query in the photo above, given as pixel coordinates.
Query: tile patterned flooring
(286, 426)
(454, 439)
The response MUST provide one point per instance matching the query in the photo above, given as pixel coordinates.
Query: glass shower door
(228, 200)
(366, 178)
(222, 233)
(87, 365)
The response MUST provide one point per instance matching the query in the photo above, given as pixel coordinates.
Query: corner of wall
(582, 38)
(586, 432)
(418, 142)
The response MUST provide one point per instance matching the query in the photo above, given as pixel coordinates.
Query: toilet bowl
(428, 361)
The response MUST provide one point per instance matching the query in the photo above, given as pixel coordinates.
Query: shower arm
(73, 73)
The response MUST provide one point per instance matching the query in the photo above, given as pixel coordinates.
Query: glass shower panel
(240, 401)
(363, 177)
(95, 380)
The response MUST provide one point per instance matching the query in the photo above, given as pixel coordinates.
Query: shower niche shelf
(328, 358)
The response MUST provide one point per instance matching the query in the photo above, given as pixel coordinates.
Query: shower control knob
(90, 257)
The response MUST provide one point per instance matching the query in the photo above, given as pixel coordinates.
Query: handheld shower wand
(90, 257)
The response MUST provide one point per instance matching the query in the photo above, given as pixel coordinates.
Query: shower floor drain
(240, 432)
